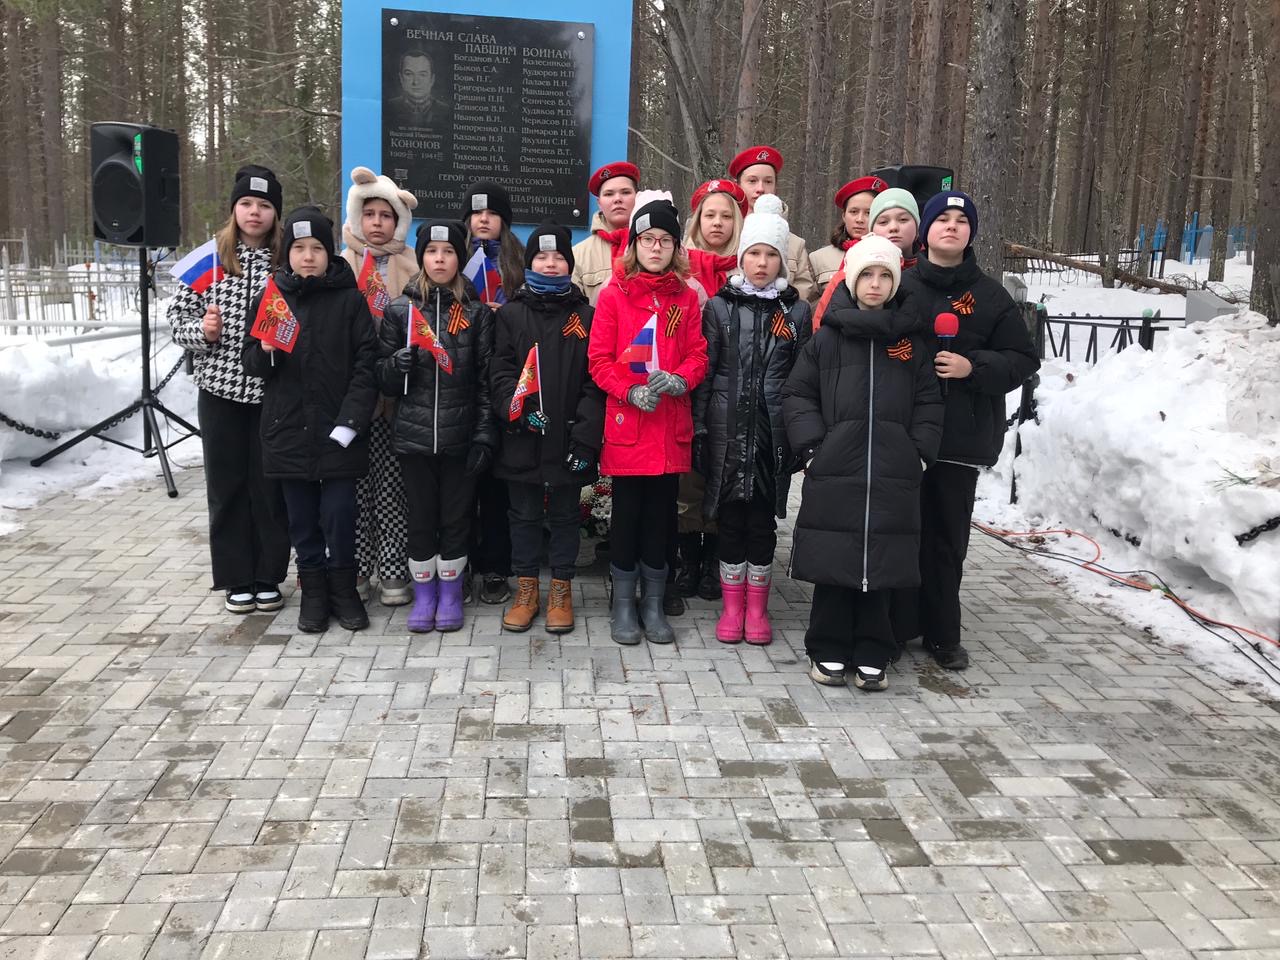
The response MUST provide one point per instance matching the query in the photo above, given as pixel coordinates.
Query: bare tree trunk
(870, 104)
(1224, 159)
(1265, 294)
(752, 31)
(996, 104)
(896, 129)
(928, 122)
(955, 121)
(20, 192)
(1053, 142)
(1200, 163)
(51, 121)
(1179, 179)
(1036, 141)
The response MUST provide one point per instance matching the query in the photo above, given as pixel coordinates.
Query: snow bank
(1178, 447)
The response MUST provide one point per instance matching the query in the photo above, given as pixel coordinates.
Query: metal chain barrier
(1259, 530)
(57, 435)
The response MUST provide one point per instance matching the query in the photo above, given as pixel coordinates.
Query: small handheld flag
(374, 288)
(200, 268)
(421, 335)
(529, 382)
(274, 322)
(642, 353)
(484, 276)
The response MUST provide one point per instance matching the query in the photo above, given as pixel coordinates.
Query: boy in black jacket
(317, 402)
(991, 355)
(554, 422)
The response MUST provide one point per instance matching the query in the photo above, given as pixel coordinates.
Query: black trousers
(748, 531)
(491, 533)
(440, 499)
(564, 517)
(946, 507)
(248, 532)
(849, 626)
(641, 524)
(322, 522)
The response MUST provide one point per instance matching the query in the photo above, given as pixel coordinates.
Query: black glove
(537, 421)
(643, 398)
(802, 458)
(578, 461)
(700, 454)
(405, 358)
(478, 459)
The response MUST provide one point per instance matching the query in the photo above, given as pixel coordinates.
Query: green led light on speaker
(137, 151)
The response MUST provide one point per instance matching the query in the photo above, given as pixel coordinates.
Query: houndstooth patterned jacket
(217, 365)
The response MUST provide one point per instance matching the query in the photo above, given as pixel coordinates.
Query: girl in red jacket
(646, 352)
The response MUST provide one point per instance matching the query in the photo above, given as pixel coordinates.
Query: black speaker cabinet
(135, 184)
(921, 182)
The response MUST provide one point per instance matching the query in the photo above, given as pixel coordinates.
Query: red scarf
(616, 239)
(849, 243)
(710, 269)
(645, 285)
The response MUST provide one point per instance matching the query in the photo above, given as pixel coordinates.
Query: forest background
(1077, 124)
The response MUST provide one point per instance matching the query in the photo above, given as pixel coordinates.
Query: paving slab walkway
(177, 782)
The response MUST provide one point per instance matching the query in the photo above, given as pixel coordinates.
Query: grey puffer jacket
(752, 345)
(441, 413)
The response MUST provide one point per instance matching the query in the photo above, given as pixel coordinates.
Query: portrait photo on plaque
(469, 98)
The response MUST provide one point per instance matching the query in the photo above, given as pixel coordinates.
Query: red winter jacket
(637, 443)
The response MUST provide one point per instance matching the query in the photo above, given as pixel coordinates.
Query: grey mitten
(643, 398)
(668, 383)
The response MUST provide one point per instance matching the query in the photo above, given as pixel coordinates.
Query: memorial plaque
(488, 98)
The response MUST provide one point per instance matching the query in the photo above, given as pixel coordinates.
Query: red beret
(719, 186)
(610, 170)
(754, 155)
(861, 185)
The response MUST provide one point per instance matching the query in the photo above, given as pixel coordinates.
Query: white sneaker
(870, 678)
(827, 673)
(240, 601)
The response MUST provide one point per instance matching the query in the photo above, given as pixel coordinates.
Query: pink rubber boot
(733, 590)
(759, 630)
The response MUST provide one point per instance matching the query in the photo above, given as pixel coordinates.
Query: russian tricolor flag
(484, 276)
(642, 353)
(200, 268)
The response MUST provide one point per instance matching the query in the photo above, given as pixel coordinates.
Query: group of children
(686, 364)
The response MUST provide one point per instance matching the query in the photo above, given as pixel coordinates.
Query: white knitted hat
(766, 224)
(872, 251)
(367, 185)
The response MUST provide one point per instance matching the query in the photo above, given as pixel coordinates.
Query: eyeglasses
(662, 243)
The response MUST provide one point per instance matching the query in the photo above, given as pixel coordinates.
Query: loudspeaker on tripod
(920, 181)
(135, 185)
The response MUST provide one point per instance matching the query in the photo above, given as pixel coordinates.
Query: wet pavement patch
(1151, 852)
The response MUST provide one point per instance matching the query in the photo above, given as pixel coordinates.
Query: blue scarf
(491, 247)
(541, 283)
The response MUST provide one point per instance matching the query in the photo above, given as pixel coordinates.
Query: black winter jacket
(864, 395)
(752, 344)
(993, 337)
(442, 413)
(570, 398)
(328, 380)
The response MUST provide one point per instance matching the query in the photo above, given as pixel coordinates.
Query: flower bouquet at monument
(597, 507)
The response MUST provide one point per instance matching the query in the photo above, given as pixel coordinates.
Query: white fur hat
(872, 251)
(766, 224)
(367, 185)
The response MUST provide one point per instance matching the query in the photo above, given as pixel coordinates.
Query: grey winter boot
(656, 627)
(624, 627)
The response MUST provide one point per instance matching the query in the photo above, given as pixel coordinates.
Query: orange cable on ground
(1137, 584)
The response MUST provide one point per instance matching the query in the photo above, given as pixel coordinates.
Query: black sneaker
(950, 658)
(868, 678)
(241, 600)
(267, 598)
(673, 604)
(495, 589)
(827, 674)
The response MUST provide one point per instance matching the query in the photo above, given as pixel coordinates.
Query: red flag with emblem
(528, 383)
(374, 288)
(274, 322)
(421, 335)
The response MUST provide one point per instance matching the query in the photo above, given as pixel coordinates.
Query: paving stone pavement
(177, 782)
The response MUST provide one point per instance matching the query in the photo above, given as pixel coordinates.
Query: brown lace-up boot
(519, 616)
(560, 607)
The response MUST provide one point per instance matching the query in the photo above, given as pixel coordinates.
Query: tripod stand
(148, 404)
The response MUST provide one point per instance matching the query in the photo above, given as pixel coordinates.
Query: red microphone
(945, 328)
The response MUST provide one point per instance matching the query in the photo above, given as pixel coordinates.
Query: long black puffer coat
(752, 344)
(561, 327)
(328, 379)
(993, 337)
(442, 413)
(864, 396)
